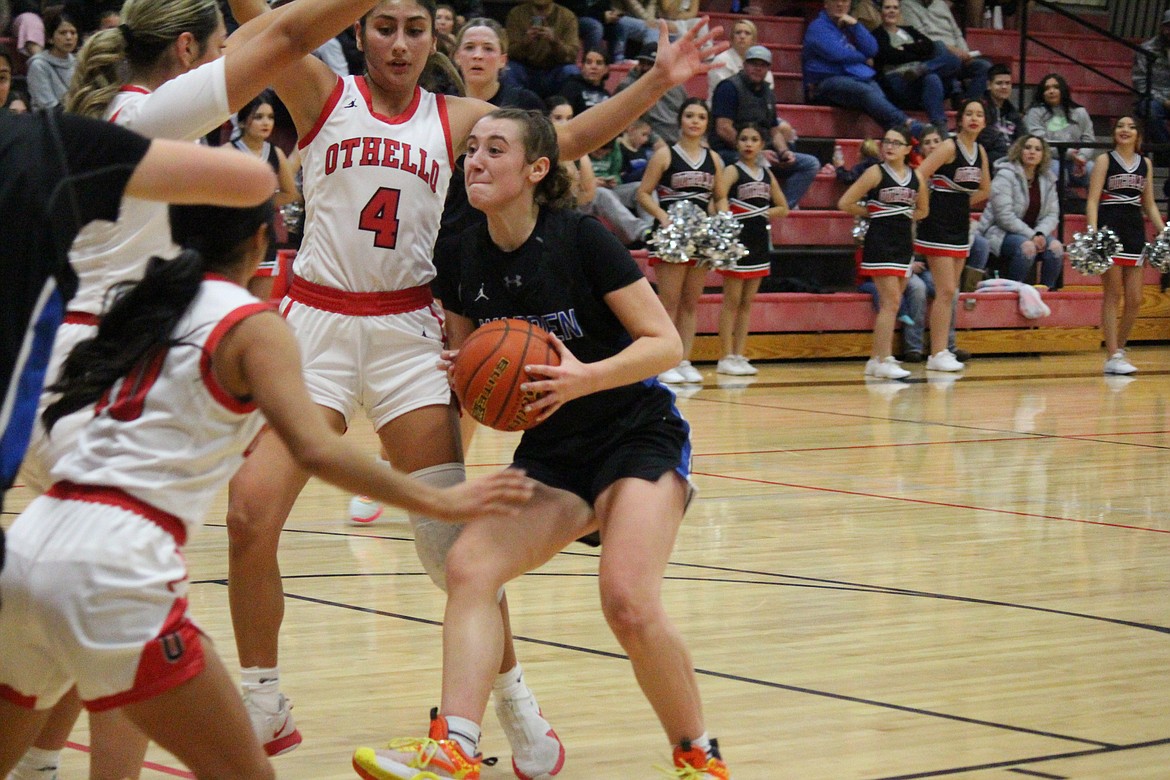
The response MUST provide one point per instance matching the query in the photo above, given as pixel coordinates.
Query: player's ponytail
(144, 316)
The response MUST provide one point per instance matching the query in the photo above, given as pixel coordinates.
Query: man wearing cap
(1155, 73)
(730, 62)
(746, 98)
(663, 115)
(837, 59)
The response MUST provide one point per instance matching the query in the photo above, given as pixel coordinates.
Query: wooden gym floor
(941, 578)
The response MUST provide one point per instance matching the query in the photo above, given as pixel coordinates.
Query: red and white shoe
(364, 510)
(277, 731)
(537, 752)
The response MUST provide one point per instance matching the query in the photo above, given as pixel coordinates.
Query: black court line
(1034, 760)
(1034, 773)
(708, 673)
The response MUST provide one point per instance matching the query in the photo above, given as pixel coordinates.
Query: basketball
(489, 370)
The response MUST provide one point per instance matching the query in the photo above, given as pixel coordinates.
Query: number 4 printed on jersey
(380, 217)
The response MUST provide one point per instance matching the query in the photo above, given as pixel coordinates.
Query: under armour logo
(352, 102)
(512, 281)
(482, 295)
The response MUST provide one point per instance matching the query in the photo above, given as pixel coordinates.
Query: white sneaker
(943, 361)
(871, 366)
(689, 372)
(731, 365)
(537, 752)
(889, 369)
(1117, 364)
(671, 376)
(749, 369)
(277, 732)
(364, 510)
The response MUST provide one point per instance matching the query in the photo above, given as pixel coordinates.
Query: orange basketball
(489, 370)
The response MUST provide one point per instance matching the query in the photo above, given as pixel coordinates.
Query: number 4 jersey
(374, 191)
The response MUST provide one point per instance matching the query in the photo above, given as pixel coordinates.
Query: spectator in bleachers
(1156, 75)
(934, 19)
(1023, 212)
(663, 115)
(867, 12)
(28, 27)
(680, 15)
(587, 88)
(6, 70)
(1056, 117)
(480, 56)
(743, 36)
(914, 70)
(51, 70)
(542, 46)
(1004, 122)
(746, 98)
(444, 30)
(837, 60)
(870, 154)
(636, 21)
(465, 10)
(17, 103)
(635, 148)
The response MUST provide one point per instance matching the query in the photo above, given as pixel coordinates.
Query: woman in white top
(730, 62)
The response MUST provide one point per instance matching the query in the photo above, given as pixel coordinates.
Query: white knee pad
(433, 538)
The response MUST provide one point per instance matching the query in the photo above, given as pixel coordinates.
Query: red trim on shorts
(218, 391)
(659, 261)
(405, 116)
(441, 103)
(743, 274)
(116, 497)
(934, 251)
(1127, 262)
(326, 110)
(15, 697)
(167, 661)
(359, 304)
(903, 273)
(82, 318)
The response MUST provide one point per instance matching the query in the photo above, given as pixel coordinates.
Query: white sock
(465, 732)
(37, 764)
(262, 684)
(703, 742)
(510, 684)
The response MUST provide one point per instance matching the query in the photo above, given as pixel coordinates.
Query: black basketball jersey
(684, 180)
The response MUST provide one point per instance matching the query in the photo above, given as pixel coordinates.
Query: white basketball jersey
(170, 434)
(107, 253)
(374, 191)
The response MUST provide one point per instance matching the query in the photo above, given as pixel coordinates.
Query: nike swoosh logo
(276, 733)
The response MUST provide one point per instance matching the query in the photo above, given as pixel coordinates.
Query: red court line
(932, 503)
(166, 770)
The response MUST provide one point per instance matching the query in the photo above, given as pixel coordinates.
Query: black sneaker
(961, 355)
(913, 357)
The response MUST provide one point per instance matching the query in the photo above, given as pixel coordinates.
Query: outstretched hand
(690, 55)
(500, 495)
(571, 379)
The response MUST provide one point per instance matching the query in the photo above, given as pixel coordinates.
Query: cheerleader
(958, 178)
(1121, 190)
(751, 193)
(893, 198)
(685, 171)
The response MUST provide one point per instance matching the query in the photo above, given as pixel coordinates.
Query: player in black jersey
(1121, 191)
(610, 454)
(957, 175)
(893, 197)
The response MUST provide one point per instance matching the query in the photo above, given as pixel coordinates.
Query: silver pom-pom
(860, 228)
(292, 214)
(719, 245)
(1157, 252)
(1092, 252)
(677, 242)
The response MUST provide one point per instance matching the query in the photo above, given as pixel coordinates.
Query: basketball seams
(506, 409)
(483, 332)
(488, 373)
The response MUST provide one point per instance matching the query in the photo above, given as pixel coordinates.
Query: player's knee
(627, 610)
(433, 539)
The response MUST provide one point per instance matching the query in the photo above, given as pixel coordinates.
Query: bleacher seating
(837, 324)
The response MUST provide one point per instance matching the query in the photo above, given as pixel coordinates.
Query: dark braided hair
(141, 322)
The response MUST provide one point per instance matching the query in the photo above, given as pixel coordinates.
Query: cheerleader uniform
(750, 200)
(1120, 208)
(889, 244)
(946, 232)
(686, 180)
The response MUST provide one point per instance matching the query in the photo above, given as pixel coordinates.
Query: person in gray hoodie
(51, 70)
(1055, 116)
(1022, 215)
